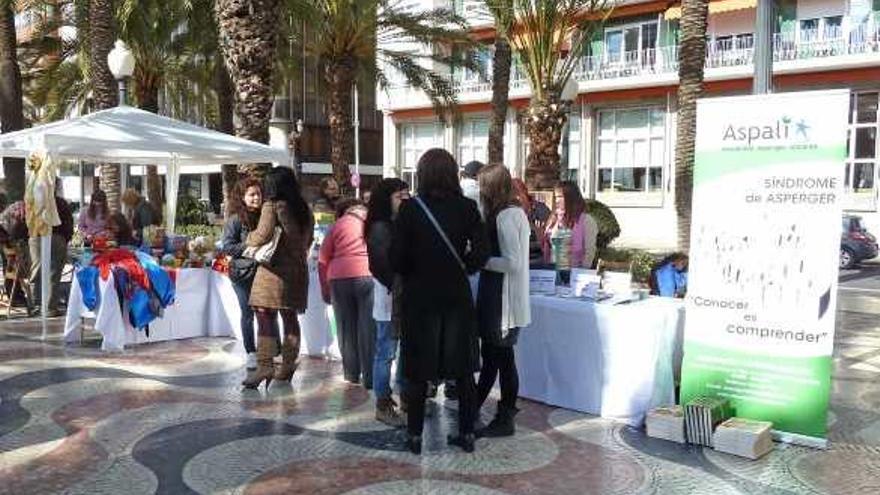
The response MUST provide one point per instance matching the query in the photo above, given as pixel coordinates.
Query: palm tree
(363, 39)
(502, 60)
(149, 27)
(11, 101)
(550, 38)
(691, 60)
(248, 40)
(101, 36)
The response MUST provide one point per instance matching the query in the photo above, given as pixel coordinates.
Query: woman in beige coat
(282, 284)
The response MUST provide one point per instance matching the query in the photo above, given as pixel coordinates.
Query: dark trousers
(243, 293)
(353, 307)
(498, 360)
(416, 394)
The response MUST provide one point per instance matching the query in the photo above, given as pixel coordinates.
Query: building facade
(619, 144)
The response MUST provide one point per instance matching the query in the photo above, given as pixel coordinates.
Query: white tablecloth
(615, 361)
(205, 305)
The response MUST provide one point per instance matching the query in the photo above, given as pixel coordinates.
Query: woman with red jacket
(346, 282)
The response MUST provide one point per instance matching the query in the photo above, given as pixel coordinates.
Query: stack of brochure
(666, 423)
(702, 415)
(744, 437)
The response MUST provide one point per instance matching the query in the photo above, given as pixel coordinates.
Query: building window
(571, 147)
(415, 139)
(631, 43)
(473, 141)
(631, 154)
(862, 151)
(820, 29)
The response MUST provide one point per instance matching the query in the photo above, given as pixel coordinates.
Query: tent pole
(45, 264)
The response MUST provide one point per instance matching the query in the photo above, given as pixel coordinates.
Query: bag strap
(440, 231)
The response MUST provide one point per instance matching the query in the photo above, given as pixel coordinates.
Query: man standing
(61, 235)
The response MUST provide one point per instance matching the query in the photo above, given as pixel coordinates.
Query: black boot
(465, 442)
(501, 426)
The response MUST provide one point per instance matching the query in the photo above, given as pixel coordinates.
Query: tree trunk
(147, 84)
(102, 35)
(501, 62)
(223, 88)
(11, 114)
(691, 60)
(248, 41)
(340, 75)
(546, 120)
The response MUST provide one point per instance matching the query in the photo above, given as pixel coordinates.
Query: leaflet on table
(542, 282)
(765, 234)
(585, 283)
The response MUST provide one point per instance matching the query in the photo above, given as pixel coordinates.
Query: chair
(16, 268)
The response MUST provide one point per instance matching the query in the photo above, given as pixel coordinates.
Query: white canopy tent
(130, 136)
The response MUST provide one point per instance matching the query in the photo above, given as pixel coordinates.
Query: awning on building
(715, 7)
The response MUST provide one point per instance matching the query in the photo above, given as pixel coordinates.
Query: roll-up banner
(765, 240)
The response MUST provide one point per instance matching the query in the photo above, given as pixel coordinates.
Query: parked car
(856, 243)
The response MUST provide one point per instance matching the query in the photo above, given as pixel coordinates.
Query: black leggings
(498, 360)
(416, 394)
(266, 319)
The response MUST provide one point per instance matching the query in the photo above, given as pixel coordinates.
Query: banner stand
(768, 191)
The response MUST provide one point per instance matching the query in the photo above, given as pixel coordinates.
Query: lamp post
(121, 63)
(293, 142)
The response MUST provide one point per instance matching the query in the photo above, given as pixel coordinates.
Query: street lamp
(293, 141)
(121, 63)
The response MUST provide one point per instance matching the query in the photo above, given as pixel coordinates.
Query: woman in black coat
(439, 334)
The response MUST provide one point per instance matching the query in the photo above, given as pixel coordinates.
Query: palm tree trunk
(147, 84)
(691, 57)
(546, 119)
(501, 62)
(11, 114)
(340, 75)
(102, 35)
(248, 41)
(223, 88)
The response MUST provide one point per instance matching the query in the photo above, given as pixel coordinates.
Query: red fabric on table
(124, 259)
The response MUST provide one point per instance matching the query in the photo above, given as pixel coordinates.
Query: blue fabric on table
(88, 286)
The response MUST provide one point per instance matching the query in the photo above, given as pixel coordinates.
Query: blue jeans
(243, 292)
(386, 351)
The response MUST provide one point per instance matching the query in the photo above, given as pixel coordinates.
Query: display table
(205, 305)
(615, 361)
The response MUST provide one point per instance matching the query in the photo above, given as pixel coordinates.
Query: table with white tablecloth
(205, 305)
(615, 361)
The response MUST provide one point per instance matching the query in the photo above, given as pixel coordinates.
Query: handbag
(440, 231)
(242, 270)
(263, 254)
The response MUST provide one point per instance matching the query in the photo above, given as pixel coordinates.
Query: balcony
(726, 58)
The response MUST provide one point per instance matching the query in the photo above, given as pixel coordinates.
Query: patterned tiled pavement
(171, 418)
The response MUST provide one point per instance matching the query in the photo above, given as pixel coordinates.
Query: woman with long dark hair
(95, 220)
(385, 201)
(282, 284)
(439, 240)
(572, 229)
(245, 206)
(503, 295)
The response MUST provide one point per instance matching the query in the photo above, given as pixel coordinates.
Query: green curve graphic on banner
(791, 392)
(712, 165)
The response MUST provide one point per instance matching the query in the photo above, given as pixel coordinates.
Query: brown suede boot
(267, 347)
(289, 353)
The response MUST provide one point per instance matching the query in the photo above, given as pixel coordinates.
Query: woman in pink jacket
(573, 228)
(346, 282)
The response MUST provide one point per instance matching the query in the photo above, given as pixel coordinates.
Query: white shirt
(513, 241)
(381, 302)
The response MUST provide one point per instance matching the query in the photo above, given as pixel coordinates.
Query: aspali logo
(784, 129)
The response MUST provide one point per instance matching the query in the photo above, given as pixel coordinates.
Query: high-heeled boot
(267, 347)
(289, 354)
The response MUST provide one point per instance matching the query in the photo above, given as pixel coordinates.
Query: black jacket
(439, 335)
(379, 253)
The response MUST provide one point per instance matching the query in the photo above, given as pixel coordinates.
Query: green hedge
(642, 261)
(609, 229)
